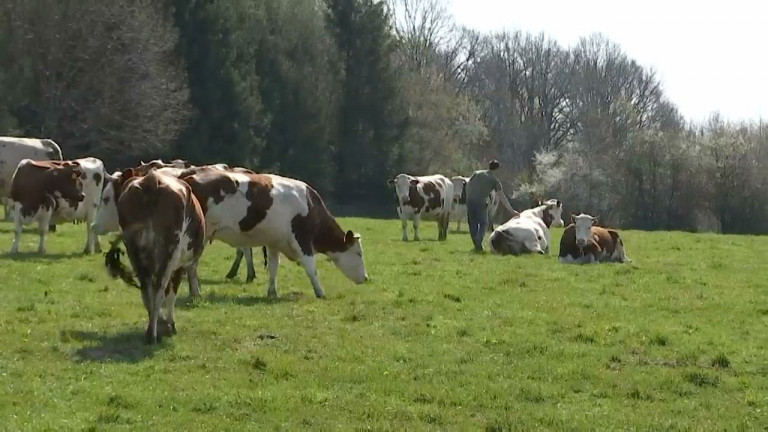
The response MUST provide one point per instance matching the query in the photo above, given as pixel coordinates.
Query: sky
(709, 55)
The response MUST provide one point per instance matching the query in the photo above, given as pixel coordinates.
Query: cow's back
(607, 239)
(13, 150)
(160, 213)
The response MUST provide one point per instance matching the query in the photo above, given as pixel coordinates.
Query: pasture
(439, 339)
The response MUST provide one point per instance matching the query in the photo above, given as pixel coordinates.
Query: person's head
(493, 165)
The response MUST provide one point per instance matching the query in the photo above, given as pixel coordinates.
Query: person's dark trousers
(477, 218)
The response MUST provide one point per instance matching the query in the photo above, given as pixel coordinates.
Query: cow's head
(403, 184)
(106, 220)
(106, 217)
(583, 224)
(351, 261)
(68, 181)
(555, 210)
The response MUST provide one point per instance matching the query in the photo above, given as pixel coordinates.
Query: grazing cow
(106, 220)
(39, 190)
(429, 197)
(528, 232)
(584, 242)
(12, 151)
(163, 229)
(286, 215)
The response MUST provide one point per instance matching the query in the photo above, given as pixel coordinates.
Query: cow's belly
(408, 212)
(27, 217)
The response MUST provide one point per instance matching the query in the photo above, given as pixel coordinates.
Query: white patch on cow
(106, 220)
(583, 228)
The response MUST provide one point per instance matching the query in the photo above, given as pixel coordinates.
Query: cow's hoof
(230, 275)
(150, 339)
(173, 329)
(250, 279)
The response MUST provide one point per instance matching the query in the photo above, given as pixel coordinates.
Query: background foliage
(346, 93)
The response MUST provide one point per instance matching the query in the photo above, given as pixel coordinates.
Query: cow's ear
(391, 182)
(127, 174)
(594, 220)
(559, 203)
(414, 182)
(573, 219)
(349, 238)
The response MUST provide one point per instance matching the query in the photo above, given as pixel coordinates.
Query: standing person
(479, 186)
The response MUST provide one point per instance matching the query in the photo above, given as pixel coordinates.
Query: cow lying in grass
(528, 232)
(583, 242)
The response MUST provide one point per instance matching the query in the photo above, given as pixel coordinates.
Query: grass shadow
(224, 281)
(34, 256)
(122, 347)
(241, 300)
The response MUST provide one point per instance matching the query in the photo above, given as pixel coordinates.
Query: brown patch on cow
(434, 200)
(211, 185)
(35, 183)
(547, 217)
(415, 200)
(259, 196)
(318, 230)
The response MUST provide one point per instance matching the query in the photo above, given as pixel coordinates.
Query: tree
(100, 78)
(299, 87)
(371, 120)
(218, 42)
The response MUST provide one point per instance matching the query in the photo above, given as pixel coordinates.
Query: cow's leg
(310, 267)
(273, 262)
(416, 224)
(150, 336)
(156, 302)
(89, 243)
(193, 280)
(404, 222)
(42, 227)
(16, 231)
(235, 264)
(251, 272)
(170, 299)
(445, 223)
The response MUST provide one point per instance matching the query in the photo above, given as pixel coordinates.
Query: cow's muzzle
(581, 242)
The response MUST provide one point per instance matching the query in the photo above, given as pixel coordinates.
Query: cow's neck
(330, 236)
(542, 213)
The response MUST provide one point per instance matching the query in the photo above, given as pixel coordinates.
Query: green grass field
(439, 339)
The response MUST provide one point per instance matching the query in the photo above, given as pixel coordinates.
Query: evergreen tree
(217, 42)
(371, 121)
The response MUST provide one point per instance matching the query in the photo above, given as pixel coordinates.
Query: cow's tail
(264, 252)
(115, 267)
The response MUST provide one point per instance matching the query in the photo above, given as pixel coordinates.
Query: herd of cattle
(165, 214)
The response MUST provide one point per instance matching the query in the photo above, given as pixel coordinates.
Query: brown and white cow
(423, 197)
(12, 151)
(163, 229)
(106, 220)
(584, 242)
(39, 190)
(286, 215)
